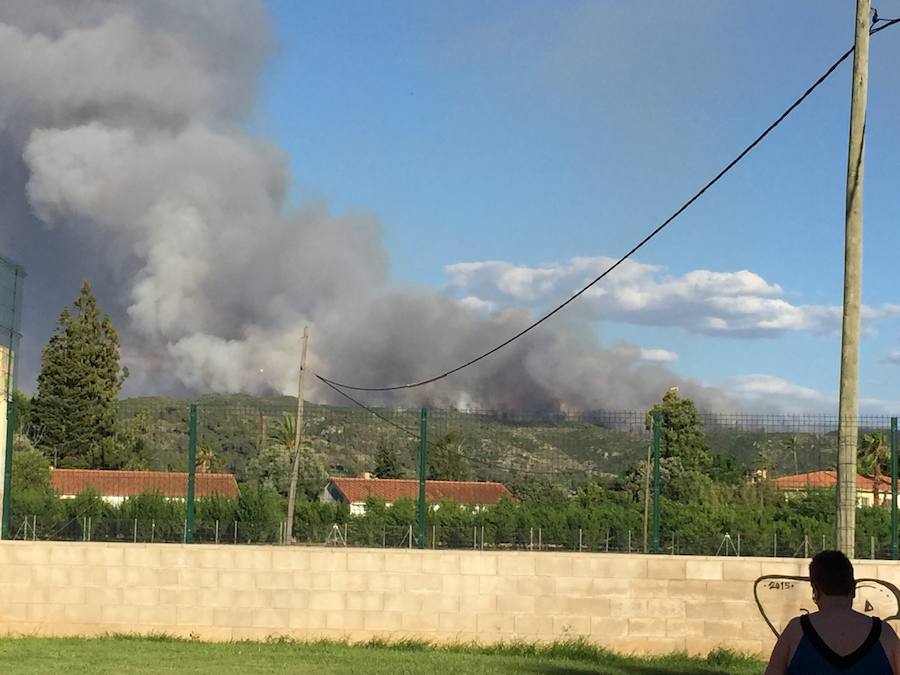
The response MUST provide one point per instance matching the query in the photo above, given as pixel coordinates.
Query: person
(835, 639)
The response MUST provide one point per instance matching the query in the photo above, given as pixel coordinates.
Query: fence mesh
(761, 485)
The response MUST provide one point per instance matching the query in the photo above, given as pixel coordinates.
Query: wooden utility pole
(298, 440)
(848, 408)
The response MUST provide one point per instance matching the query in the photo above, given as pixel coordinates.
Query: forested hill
(495, 445)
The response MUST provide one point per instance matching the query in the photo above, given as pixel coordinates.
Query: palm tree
(874, 452)
(207, 460)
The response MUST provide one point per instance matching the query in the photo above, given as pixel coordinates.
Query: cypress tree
(74, 413)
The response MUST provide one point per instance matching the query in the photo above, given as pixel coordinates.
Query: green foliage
(74, 414)
(682, 432)
(387, 461)
(22, 404)
(261, 508)
(446, 460)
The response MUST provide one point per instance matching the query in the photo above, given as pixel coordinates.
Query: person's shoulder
(793, 628)
(888, 634)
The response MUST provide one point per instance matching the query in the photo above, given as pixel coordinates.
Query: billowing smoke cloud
(123, 152)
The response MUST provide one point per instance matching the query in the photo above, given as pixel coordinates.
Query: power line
(334, 384)
(417, 437)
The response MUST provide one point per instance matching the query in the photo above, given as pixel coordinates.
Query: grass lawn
(127, 654)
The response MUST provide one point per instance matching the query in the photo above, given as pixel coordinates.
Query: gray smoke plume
(123, 158)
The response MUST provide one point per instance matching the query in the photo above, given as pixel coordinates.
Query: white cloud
(892, 358)
(738, 304)
(761, 391)
(658, 355)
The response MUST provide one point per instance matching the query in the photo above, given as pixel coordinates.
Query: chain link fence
(219, 471)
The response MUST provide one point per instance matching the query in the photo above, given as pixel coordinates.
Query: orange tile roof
(69, 482)
(391, 489)
(828, 479)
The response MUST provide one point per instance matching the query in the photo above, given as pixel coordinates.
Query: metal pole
(423, 465)
(298, 439)
(657, 424)
(7, 464)
(848, 408)
(192, 474)
(894, 546)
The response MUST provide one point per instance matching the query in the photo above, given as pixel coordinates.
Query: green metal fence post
(7, 467)
(423, 465)
(894, 547)
(192, 474)
(657, 423)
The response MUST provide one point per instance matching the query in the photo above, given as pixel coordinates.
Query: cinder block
(422, 583)
(647, 627)
(143, 555)
(16, 613)
(120, 614)
(610, 567)
(460, 585)
(87, 576)
(383, 621)
(236, 580)
(434, 603)
(366, 602)
(741, 570)
(194, 616)
(290, 599)
(475, 604)
(326, 600)
(574, 585)
(663, 608)
(626, 607)
(607, 627)
(83, 614)
(254, 558)
(30, 553)
(424, 623)
(292, 559)
(160, 615)
(230, 617)
(127, 577)
(731, 590)
(328, 561)
(536, 586)
(688, 590)
(46, 613)
(666, 568)
(498, 585)
(402, 602)
(345, 620)
(553, 565)
(477, 563)
(16, 575)
(457, 622)
(407, 562)
(280, 581)
(177, 597)
(47, 575)
(198, 578)
(530, 625)
(516, 563)
(518, 604)
(714, 610)
(571, 626)
(66, 595)
(266, 617)
(440, 562)
(140, 596)
(703, 646)
(685, 628)
(495, 623)
(707, 570)
(67, 555)
(365, 561)
(386, 583)
(643, 645)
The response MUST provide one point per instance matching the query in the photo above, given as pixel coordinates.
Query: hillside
(498, 445)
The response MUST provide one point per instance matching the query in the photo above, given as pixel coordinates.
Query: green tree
(446, 460)
(682, 433)
(272, 466)
(874, 453)
(74, 413)
(387, 461)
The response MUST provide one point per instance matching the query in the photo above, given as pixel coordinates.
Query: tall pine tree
(74, 414)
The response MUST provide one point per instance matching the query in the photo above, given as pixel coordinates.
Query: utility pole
(848, 408)
(298, 439)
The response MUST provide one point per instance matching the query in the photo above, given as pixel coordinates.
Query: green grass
(161, 654)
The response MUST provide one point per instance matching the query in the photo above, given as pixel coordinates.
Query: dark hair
(831, 573)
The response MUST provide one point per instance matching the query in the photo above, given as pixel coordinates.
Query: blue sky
(533, 133)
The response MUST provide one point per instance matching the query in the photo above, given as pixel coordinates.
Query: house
(355, 491)
(115, 486)
(801, 483)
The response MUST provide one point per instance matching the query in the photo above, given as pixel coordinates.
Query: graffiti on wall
(781, 597)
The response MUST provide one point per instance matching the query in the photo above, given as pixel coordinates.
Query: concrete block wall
(630, 603)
